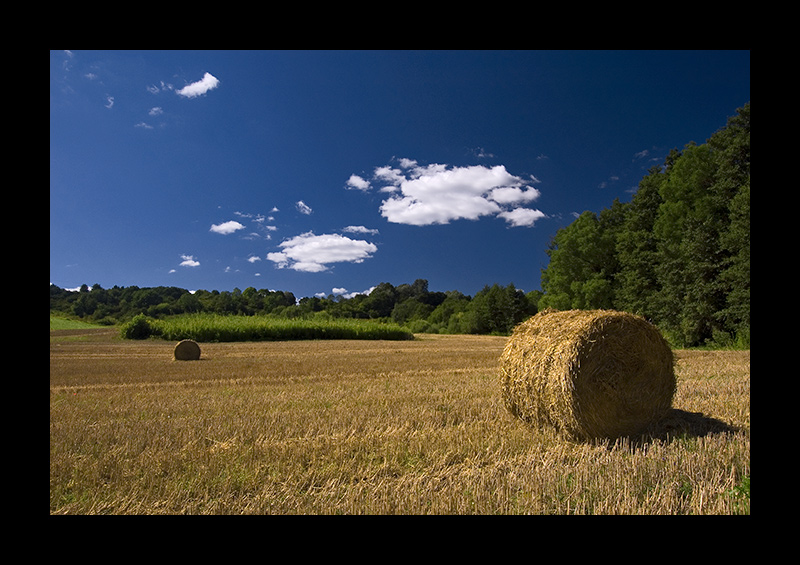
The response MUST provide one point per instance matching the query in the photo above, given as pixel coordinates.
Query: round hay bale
(187, 350)
(588, 373)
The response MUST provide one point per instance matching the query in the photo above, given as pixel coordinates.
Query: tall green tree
(736, 274)
(731, 147)
(583, 262)
(495, 310)
(381, 301)
(690, 222)
(636, 246)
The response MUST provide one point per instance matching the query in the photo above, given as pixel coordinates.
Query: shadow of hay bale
(681, 423)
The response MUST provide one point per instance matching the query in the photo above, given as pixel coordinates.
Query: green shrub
(138, 328)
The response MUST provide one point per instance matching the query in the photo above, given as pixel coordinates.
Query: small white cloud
(359, 229)
(253, 258)
(208, 82)
(314, 253)
(109, 102)
(356, 182)
(226, 228)
(189, 261)
(522, 217)
(344, 294)
(356, 293)
(156, 111)
(303, 208)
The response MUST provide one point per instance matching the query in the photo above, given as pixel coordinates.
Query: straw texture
(588, 373)
(187, 350)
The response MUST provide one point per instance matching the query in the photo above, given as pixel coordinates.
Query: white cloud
(356, 182)
(439, 194)
(313, 253)
(359, 229)
(208, 82)
(254, 258)
(303, 208)
(356, 293)
(189, 261)
(524, 217)
(226, 228)
(343, 292)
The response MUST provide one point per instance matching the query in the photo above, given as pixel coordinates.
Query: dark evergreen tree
(636, 248)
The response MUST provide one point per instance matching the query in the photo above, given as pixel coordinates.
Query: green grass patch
(215, 327)
(57, 323)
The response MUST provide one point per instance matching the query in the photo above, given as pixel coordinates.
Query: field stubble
(368, 427)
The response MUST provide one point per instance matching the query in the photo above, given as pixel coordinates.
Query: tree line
(495, 309)
(678, 253)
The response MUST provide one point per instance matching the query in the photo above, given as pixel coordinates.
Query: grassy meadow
(367, 427)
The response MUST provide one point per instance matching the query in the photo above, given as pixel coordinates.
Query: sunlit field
(367, 427)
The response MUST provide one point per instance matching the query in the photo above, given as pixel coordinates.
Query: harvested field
(368, 427)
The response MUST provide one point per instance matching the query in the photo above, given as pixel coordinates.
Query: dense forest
(678, 253)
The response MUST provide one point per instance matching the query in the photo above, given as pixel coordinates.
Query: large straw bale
(187, 350)
(588, 373)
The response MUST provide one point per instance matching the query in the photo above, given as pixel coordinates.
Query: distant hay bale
(187, 350)
(588, 373)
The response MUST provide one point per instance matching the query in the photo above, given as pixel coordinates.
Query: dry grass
(368, 427)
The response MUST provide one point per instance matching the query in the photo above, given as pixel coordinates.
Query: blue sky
(322, 172)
